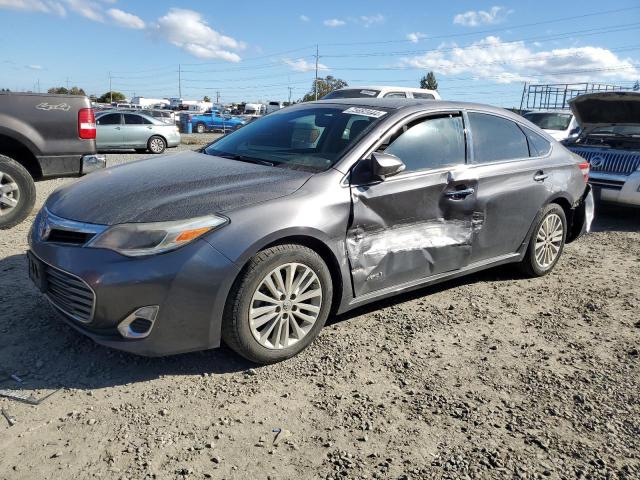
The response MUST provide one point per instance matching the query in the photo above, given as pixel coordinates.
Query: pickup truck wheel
(200, 128)
(156, 144)
(17, 192)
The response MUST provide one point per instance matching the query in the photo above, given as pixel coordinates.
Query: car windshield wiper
(243, 158)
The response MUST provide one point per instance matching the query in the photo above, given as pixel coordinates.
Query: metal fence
(556, 96)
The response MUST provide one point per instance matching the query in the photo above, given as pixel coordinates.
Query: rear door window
(130, 119)
(430, 143)
(496, 139)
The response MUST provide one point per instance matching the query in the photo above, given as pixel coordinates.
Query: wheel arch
(310, 241)
(21, 153)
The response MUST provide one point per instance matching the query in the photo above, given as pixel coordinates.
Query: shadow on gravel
(37, 345)
(48, 354)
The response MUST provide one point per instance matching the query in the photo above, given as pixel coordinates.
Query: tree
(429, 81)
(106, 98)
(206, 99)
(636, 86)
(64, 91)
(325, 86)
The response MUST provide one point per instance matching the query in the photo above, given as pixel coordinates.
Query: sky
(266, 50)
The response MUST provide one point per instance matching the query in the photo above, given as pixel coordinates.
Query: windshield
(550, 121)
(352, 93)
(312, 138)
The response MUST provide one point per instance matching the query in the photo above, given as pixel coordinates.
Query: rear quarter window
(538, 145)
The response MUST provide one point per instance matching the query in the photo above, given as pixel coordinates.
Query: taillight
(86, 123)
(584, 168)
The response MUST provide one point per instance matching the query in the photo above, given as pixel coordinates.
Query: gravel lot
(490, 376)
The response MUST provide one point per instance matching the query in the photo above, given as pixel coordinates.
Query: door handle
(540, 176)
(460, 194)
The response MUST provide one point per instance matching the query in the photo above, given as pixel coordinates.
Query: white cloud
(304, 18)
(334, 22)
(35, 67)
(414, 37)
(187, 30)
(125, 19)
(474, 18)
(42, 6)
(507, 62)
(87, 9)
(301, 65)
(368, 20)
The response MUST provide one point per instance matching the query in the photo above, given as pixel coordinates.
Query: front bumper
(91, 163)
(623, 189)
(190, 285)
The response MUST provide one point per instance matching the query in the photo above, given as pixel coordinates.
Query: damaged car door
(417, 223)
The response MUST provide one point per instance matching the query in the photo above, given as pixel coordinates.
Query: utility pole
(67, 83)
(110, 90)
(316, 82)
(290, 94)
(217, 97)
(179, 81)
(38, 85)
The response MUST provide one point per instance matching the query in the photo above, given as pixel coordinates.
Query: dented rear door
(410, 227)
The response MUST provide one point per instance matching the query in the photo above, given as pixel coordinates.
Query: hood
(171, 187)
(606, 108)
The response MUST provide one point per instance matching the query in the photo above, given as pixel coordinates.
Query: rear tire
(265, 329)
(200, 128)
(17, 192)
(546, 243)
(156, 144)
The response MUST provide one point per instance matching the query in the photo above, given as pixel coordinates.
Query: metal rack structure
(556, 96)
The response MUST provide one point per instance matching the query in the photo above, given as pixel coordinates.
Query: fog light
(139, 323)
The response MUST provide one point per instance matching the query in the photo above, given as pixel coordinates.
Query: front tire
(546, 243)
(278, 304)
(200, 128)
(17, 192)
(156, 144)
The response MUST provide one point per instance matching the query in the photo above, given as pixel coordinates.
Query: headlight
(138, 239)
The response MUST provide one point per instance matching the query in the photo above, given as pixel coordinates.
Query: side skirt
(432, 280)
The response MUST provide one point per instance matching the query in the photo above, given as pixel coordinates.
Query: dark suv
(315, 209)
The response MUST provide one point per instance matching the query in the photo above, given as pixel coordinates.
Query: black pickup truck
(42, 137)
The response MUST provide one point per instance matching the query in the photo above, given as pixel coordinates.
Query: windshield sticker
(371, 93)
(367, 112)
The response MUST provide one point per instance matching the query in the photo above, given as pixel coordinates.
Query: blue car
(215, 120)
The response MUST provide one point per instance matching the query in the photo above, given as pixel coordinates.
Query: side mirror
(386, 165)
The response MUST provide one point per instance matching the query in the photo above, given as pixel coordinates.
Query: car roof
(408, 103)
(564, 111)
(386, 87)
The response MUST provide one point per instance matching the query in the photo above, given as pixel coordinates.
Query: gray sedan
(125, 131)
(312, 211)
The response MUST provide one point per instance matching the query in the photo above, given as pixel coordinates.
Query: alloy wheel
(156, 145)
(549, 240)
(9, 194)
(285, 306)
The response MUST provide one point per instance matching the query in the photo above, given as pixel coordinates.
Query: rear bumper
(623, 189)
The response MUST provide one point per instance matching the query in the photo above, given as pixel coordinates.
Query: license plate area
(36, 272)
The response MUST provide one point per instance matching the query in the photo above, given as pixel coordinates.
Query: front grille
(69, 294)
(69, 237)
(609, 161)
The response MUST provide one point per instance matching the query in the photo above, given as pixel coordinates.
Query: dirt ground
(490, 376)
